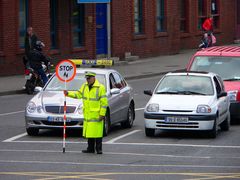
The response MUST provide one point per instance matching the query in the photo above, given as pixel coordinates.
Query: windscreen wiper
(167, 92)
(191, 92)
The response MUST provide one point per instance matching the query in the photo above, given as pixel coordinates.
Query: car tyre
(213, 133)
(225, 125)
(32, 131)
(107, 124)
(149, 132)
(130, 118)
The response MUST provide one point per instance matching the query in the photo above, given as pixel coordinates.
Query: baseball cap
(90, 73)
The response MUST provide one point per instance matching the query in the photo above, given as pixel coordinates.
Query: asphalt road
(128, 153)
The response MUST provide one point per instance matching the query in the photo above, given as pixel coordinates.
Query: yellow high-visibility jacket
(95, 104)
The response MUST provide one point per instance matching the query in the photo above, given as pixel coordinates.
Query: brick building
(143, 28)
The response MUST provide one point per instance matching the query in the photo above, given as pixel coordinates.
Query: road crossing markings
(122, 153)
(139, 109)
(10, 113)
(113, 141)
(15, 137)
(121, 164)
(122, 136)
(99, 175)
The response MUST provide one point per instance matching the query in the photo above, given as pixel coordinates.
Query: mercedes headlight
(204, 109)
(153, 108)
(39, 109)
(31, 107)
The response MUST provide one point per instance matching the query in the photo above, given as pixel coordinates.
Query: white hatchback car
(188, 101)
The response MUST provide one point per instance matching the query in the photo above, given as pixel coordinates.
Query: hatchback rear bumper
(235, 111)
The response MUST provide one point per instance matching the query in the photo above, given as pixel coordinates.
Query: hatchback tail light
(238, 96)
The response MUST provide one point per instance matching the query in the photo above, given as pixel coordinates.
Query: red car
(224, 61)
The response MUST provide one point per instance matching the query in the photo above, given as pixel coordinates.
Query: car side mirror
(222, 94)
(115, 91)
(148, 92)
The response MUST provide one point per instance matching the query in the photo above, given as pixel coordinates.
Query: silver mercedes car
(45, 109)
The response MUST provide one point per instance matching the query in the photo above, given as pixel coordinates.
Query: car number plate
(57, 119)
(28, 77)
(176, 119)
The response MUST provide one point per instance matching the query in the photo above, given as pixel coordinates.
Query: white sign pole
(64, 118)
(65, 71)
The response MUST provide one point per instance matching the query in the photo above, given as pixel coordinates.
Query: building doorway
(101, 29)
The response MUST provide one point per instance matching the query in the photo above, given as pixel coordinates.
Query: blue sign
(93, 1)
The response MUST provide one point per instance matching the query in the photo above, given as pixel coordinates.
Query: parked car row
(203, 97)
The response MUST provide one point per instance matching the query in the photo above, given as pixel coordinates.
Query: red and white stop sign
(66, 70)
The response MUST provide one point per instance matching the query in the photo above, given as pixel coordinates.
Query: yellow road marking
(99, 175)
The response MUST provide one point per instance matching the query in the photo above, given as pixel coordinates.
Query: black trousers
(94, 143)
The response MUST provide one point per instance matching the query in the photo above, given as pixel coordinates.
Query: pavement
(141, 68)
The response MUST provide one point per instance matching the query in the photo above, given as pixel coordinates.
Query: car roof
(219, 51)
(195, 73)
(96, 70)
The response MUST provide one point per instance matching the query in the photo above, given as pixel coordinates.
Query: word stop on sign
(66, 70)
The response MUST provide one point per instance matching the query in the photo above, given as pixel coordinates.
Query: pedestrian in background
(95, 104)
(206, 41)
(29, 44)
(30, 40)
(208, 25)
(208, 28)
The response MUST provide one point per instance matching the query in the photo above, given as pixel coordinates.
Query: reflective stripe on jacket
(95, 104)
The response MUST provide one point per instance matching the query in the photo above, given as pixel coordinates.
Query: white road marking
(15, 137)
(178, 145)
(10, 113)
(119, 164)
(139, 109)
(120, 137)
(136, 144)
(125, 154)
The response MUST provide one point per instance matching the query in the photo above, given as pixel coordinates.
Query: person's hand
(101, 118)
(65, 92)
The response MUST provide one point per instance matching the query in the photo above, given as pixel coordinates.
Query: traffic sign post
(65, 71)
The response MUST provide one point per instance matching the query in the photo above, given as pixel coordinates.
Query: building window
(183, 15)
(23, 21)
(202, 12)
(77, 24)
(215, 13)
(53, 23)
(160, 15)
(138, 16)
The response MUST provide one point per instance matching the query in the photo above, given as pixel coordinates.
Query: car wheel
(107, 124)
(130, 118)
(149, 132)
(225, 125)
(213, 133)
(32, 131)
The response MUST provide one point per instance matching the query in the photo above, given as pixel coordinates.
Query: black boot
(87, 151)
(99, 145)
(90, 148)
